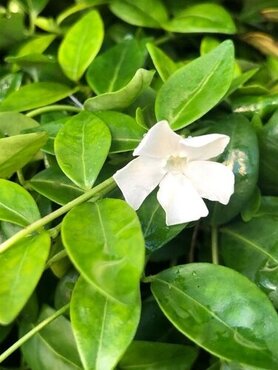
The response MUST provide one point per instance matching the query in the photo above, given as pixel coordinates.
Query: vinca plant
(138, 185)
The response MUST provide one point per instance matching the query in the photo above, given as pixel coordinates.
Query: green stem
(58, 257)
(32, 332)
(52, 108)
(214, 245)
(97, 192)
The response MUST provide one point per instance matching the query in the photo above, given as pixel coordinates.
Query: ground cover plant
(139, 185)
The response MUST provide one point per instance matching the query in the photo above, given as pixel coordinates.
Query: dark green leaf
(16, 204)
(105, 242)
(157, 356)
(21, 269)
(81, 148)
(9, 83)
(126, 133)
(155, 231)
(241, 327)
(102, 327)
(113, 69)
(35, 95)
(242, 156)
(12, 29)
(197, 87)
(54, 185)
(53, 347)
(81, 44)
(125, 96)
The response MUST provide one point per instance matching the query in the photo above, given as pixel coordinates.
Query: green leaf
(21, 269)
(152, 218)
(268, 175)
(54, 185)
(164, 65)
(52, 347)
(80, 45)
(125, 96)
(81, 148)
(13, 123)
(105, 242)
(157, 356)
(201, 18)
(113, 69)
(250, 104)
(197, 87)
(12, 29)
(242, 156)
(139, 14)
(37, 44)
(240, 80)
(35, 6)
(197, 299)
(16, 151)
(9, 83)
(103, 328)
(252, 249)
(125, 131)
(16, 204)
(35, 95)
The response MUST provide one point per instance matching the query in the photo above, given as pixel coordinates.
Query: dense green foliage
(87, 282)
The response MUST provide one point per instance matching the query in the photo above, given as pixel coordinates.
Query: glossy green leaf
(252, 249)
(138, 13)
(268, 206)
(103, 328)
(105, 242)
(81, 148)
(37, 44)
(200, 18)
(16, 151)
(261, 104)
(13, 123)
(16, 204)
(157, 356)
(21, 269)
(73, 9)
(113, 69)
(241, 327)
(52, 347)
(125, 96)
(35, 95)
(35, 6)
(80, 45)
(242, 156)
(268, 175)
(9, 83)
(152, 218)
(164, 65)
(197, 87)
(54, 185)
(125, 131)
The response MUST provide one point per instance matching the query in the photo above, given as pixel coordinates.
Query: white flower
(181, 169)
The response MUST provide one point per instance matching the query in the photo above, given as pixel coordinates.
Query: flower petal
(205, 146)
(212, 180)
(159, 142)
(180, 200)
(138, 179)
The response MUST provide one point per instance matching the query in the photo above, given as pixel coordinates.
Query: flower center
(176, 164)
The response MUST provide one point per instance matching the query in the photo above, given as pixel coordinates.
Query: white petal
(205, 146)
(159, 142)
(180, 200)
(212, 180)
(138, 179)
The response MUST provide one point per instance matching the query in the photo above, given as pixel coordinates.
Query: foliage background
(80, 84)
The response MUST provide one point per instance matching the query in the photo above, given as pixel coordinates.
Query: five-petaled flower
(183, 171)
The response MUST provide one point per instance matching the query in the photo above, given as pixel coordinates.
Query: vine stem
(53, 108)
(214, 245)
(32, 332)
(98, 191)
